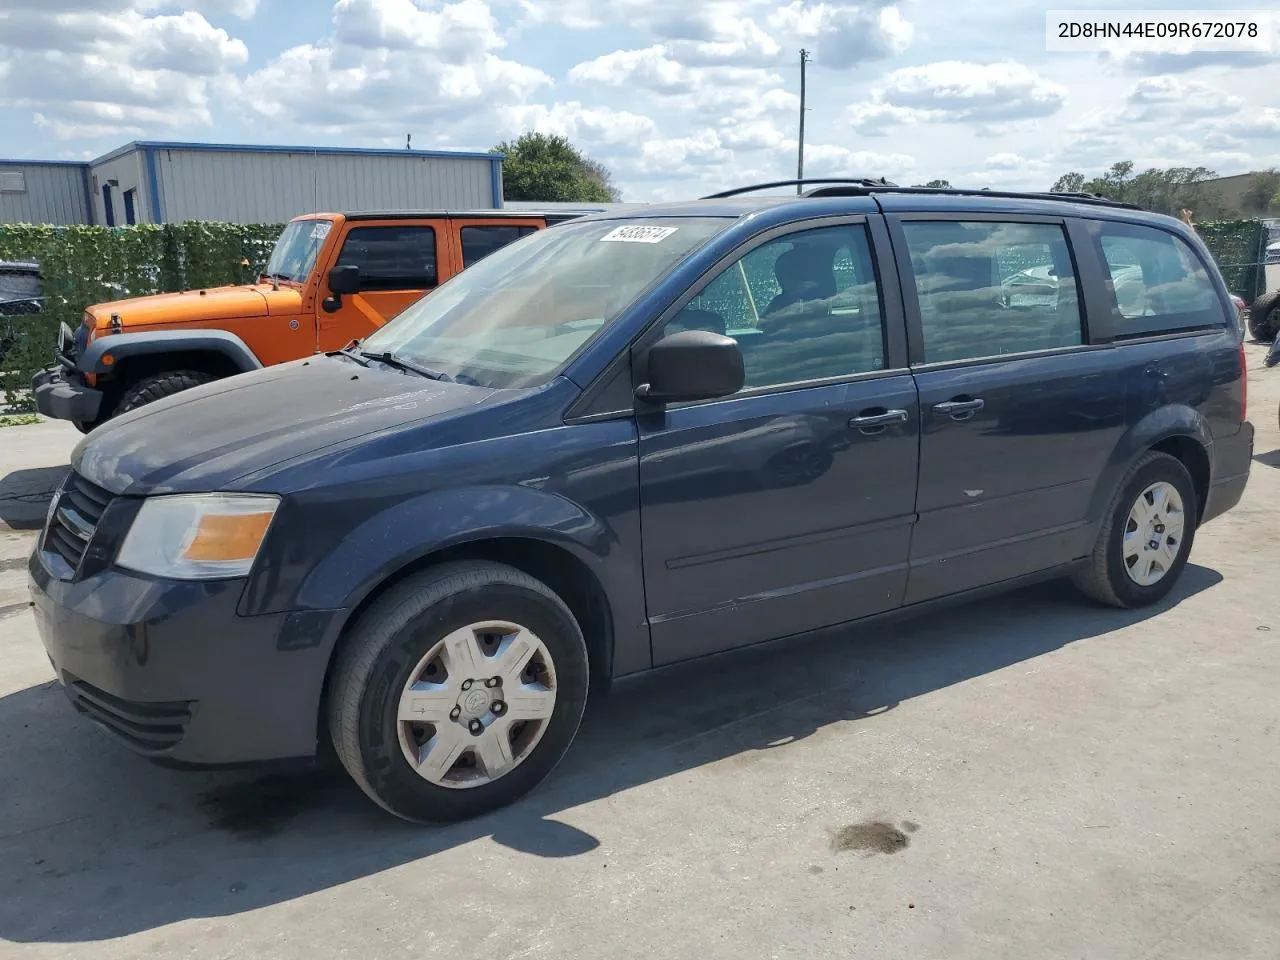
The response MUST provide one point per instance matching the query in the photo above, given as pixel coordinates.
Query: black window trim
(462, 237)
(887, 287)
(911, 301)
(435, 249)
(1108, 316)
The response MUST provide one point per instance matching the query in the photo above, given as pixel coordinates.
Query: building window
(990, 288)
(130, 216)
(392, 258)
(479, 242)
(108, 211)
(12, 181)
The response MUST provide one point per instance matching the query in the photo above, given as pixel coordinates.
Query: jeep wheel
(458, 691)
(1264, 316)
(1146, 537)
(160, 385)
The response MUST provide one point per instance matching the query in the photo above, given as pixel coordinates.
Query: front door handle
(874, 422)
(959, 409)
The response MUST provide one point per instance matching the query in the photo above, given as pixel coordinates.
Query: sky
(677, 98)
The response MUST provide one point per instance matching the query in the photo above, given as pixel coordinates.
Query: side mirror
(344, 280)
(693, 365)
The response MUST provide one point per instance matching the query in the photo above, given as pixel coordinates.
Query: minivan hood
(205, 438)
(218, 303)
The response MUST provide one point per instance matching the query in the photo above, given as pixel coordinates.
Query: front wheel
(160, 385)
(458, 691)
(1145, 540)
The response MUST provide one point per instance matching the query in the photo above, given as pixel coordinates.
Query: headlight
(207, 536)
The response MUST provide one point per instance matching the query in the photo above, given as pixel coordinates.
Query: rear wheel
(1144, 542)
(458, 691)
(161, 385)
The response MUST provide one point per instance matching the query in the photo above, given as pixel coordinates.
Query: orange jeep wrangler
(332, 278)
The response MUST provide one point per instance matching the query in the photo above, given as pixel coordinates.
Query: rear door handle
(867, 422)
(959, 409)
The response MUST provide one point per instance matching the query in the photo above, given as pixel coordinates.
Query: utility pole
(804, 58)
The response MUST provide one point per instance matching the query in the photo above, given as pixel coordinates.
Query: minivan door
(1019, 416)
(788, 506)
(399, 261)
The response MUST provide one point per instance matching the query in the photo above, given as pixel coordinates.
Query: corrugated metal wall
(50, 193)
(253, 187)
(127, 169)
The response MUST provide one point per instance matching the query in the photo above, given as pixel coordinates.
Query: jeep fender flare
(125, 345)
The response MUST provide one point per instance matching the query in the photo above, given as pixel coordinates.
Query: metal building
(44, 191)
(168, 182)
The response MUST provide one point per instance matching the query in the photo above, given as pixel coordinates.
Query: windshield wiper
(394, 360)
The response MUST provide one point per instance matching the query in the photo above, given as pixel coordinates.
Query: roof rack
(849, 181)
(865, 186)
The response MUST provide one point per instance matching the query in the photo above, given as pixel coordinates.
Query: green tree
(1068, 183)
(934, 185)
(1263, 193)
(1162, 191)
(548, 168)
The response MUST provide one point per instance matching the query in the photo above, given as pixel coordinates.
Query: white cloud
(1171, 98)
(845, 34)
(831, 160)
(391, 66)
(449, 31)
(89, 68)
(588, 125)
(955, 91)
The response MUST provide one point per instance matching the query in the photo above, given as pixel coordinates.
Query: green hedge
(1237, 247)
(88, 265)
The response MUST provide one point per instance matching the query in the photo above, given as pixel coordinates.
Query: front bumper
(62, 398)
(172, 672)
(1233, 457)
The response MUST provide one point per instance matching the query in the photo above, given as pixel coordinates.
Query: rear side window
(989, 288)
(392, 258)
(1160, 285)
(479, 242)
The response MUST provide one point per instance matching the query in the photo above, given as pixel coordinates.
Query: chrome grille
(79, 508)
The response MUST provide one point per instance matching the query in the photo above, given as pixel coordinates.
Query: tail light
(1244, 386)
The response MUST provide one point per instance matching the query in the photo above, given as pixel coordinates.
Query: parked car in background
(560, 466)
(21, 292)
(332, 278)
(1264, 316)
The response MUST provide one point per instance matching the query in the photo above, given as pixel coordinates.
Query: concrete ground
(1028, 777)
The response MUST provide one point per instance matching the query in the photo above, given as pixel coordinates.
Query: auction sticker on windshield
(638, 234)
(320, 230)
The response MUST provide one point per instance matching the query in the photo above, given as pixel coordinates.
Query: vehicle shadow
(25, 496)
(97, 844)
(1271, 459)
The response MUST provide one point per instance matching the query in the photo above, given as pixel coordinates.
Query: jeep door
(789, 505)
(399, 260)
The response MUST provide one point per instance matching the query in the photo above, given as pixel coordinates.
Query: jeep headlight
(207, 536)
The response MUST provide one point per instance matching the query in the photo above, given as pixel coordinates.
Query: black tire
(1105, 578)
(386, 645)
(1263, 316)
(160, 385)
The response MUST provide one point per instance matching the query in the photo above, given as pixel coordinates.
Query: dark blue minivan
(632, 440)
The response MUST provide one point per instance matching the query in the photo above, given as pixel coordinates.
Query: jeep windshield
(296, 251)
(514, 318)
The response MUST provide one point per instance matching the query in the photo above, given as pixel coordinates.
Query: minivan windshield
(296, 250)
(515, 317)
